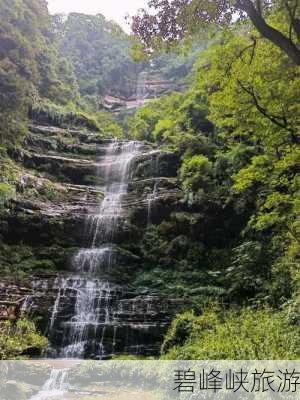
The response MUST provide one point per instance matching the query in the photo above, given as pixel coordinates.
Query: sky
(111, 9)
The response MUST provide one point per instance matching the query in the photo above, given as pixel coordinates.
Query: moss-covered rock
(20, 261)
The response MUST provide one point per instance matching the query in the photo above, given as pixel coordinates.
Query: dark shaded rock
(135, 324)
(36, 228)
(46, 226)
(156, 164)
(73, 170)
(152, 200)
(48, 130)
(12, 298)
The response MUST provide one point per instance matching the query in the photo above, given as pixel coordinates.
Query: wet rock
(127, 322)
(57, 215)
(156, 164)
(152, 200)
(17, 390)
(74, 170)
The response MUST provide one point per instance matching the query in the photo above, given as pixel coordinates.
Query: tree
(99, 51)
(196, 172)
(30, 66)
(236, 130)
(252, 91)
(24, 34)
(174, 20)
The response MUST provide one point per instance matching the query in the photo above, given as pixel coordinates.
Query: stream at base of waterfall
(84, 332)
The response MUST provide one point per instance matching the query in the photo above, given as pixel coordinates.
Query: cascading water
(84, 332)
(55, 386)
(150, 200)
(141, 90)
(117, 166)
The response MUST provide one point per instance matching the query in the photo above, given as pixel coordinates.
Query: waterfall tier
(84, 333)
(106, 194)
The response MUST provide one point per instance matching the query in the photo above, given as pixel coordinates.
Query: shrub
(220, 335)
(7, 192)
(20, 339)
(195, 172)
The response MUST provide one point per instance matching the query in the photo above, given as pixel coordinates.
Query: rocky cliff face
(148, 87)
(61, 183)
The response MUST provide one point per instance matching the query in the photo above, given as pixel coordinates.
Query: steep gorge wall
(46, 225)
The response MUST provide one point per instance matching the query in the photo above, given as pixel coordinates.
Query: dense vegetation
(236, 131)
(103, 57)
(20, 340)
(244, 335)
(37, 75)
(167, 22)
(37, 81)
(99, 51)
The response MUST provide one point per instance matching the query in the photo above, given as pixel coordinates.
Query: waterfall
(55, 386)
(117, 172)
(150, 200)
(84, 331)
(141, 90)
(26, 306)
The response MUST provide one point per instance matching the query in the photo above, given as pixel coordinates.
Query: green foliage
(72, 116)
(234, 236)
(53, 114)
(107, 125)
(29, 65)
(107, 61)
(255, 173)
(20, 339)
(230, 335)
(248, 272)
(178, 121)
(18, 262)
(7, 192)
(166, 24)
(236, 130)
(177, 262)
(8, 179)
(143, 125)
(99, 51)
(38, 75)
(180, 331)
(196, 173)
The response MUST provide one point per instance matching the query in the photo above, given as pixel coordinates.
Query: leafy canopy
(171, 21)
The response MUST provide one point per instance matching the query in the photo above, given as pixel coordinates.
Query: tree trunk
(270, 33)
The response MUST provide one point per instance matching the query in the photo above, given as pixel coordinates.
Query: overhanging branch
(270, 33)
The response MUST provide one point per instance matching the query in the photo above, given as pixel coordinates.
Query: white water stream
(93, 295)
(55, 387)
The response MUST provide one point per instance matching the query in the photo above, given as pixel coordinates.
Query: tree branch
(275, 119)
(270, 33)
(251, 46)
(294, 21)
